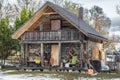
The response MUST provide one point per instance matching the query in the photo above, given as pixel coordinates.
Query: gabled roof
(71, 17)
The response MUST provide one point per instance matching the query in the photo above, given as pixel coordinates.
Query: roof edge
(99, 37)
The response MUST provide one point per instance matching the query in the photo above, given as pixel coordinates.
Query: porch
(49, 54)
(52, 35)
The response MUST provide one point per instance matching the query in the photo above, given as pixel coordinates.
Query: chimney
(81, 13)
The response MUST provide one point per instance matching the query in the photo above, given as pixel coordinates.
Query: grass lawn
(70, 75)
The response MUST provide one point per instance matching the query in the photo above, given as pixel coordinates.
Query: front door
(54, 55)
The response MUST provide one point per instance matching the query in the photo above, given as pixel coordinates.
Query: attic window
(41, 27)
(55, 24)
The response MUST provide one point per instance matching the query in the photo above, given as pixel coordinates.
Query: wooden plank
(26, 53)
(81, 53)
(54, 55)
(95, 53)
(55, 24)
(37, 42)
(22, 53)
(59, 44)
(49, 13)
(42, 52)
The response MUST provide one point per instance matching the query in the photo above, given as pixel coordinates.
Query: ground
(50, 75)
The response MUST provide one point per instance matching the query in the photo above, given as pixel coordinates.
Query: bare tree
(99, 20)
(1, 8)
(36, 4)
(7, 10)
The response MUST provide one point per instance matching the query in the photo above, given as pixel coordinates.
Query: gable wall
(46, 21)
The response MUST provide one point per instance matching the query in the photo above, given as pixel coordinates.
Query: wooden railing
(53, 35)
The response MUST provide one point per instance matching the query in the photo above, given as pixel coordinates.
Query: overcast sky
(109, 8)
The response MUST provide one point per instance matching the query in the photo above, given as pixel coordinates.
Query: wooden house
(52, 32)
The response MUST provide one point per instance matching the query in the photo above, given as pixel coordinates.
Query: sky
(109, 8)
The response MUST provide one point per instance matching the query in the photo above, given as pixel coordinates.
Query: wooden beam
(81, 53)
(22, 54)
(49, 13)
(42, 58)
(26, 53)
(37, 42)
(59, 44)
(34, 25)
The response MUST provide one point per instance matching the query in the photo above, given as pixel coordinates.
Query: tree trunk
(4, 61)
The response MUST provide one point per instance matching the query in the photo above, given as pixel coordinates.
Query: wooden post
(42, 56)
(81, 48)
(59, 44)
(22, 54)
(26, 53)
(87, 48)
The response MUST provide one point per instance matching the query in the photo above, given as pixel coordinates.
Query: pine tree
(6, 42)
(24, 16)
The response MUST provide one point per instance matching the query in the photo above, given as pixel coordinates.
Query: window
(41, 27)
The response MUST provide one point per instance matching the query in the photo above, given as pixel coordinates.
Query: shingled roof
(73, 19)
(76, 21)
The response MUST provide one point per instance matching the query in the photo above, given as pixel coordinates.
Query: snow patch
(40, 77)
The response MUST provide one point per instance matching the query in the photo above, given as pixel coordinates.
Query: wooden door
(54, 55)
(95, 53)
(55, 24)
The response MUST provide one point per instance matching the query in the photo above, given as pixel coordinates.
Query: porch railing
(53, 35)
